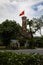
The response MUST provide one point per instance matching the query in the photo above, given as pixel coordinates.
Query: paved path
(26, 51)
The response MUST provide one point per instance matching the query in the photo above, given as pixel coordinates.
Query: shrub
(10, 58)
(32, 43)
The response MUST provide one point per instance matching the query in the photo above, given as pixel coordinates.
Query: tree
(35, 25)
(39, 25)
(8, 30)
(30, 23)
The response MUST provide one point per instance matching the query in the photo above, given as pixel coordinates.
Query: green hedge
(10, 58)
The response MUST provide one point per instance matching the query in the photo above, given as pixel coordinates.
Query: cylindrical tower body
(24, 25)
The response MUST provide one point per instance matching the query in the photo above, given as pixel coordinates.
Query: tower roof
(24, 17)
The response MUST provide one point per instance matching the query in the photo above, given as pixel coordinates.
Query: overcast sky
(10, 9)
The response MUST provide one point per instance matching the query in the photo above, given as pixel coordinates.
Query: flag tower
(24, 25)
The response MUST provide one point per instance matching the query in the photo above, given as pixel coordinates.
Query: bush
(39, 43)
(10, 58)
(23, 47)
(32, 43)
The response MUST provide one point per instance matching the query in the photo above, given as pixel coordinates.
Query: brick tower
(24, 25)
(24, 28)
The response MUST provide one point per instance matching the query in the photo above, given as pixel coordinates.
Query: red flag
(22, 13)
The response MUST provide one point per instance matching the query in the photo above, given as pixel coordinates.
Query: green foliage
(31, 43)
(39, 42)
(10, 58)
(8, 30)
(34, 25)
(23, 47)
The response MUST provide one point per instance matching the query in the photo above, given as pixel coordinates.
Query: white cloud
(11, 9)
(40, 7)
(4, 1)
